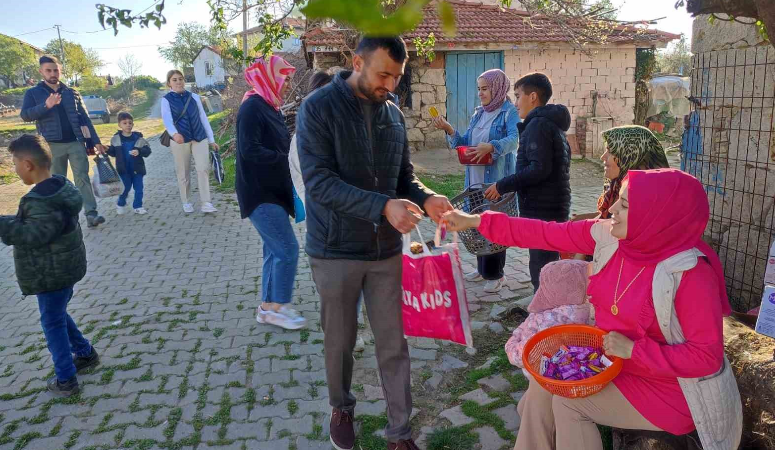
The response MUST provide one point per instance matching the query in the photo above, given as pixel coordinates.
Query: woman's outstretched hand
(617, 344)
(459, 221)
(441, 124)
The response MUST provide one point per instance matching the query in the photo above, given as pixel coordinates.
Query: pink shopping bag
(434, 301)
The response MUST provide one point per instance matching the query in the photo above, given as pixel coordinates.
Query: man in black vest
(362, 193)
(62, 119)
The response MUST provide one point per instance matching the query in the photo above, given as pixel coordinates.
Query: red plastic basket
(468, 160)
(549, 341)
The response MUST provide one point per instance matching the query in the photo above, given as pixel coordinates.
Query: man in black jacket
(354, 156)
(542, 179)
(62, 119)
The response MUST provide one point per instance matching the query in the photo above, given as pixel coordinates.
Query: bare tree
(130, 67)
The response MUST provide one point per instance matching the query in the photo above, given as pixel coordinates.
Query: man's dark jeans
(538, 259)
(62, 334)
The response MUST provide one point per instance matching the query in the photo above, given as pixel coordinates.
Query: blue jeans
(62, 334)
(281, 252)
(132, 181)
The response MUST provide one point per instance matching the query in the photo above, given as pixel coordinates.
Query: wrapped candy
(574, 363)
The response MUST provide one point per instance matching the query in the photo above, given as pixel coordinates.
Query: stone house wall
(575, 77)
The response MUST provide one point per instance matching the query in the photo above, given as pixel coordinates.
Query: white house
(208, 67)
(289, 45)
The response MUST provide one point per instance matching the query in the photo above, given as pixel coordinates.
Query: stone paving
(169, 303)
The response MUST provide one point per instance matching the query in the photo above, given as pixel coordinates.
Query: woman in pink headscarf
(659, 291)
(492, 130)
(264, 188)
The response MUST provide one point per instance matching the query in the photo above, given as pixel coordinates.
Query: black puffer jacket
(263, 174)
(348, 178)
(542, 179)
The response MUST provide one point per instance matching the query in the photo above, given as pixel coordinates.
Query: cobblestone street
(169, 303)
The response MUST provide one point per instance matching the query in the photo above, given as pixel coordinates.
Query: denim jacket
(504, 136)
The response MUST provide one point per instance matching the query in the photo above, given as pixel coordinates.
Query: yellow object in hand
(434, 112)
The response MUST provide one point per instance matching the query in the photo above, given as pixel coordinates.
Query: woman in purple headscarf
(493, 129)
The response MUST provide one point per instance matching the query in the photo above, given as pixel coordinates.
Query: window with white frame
(208, 68)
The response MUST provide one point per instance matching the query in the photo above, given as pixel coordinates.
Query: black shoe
(94, 220)
(84, 362)
(66, 389)
(342, 431)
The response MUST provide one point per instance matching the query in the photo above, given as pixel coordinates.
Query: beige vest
(714, 401)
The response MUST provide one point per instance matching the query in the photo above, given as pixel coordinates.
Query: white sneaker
(208, 208)
(285, 317)
(473, 276)
(188, 208)
(360, 344)
(140, 211)
(120, 210)
(494, 286)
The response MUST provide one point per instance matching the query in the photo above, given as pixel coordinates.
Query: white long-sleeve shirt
(295, 165)
(169, 121)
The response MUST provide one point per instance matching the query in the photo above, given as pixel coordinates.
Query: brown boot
(403, 445)
(342, 431)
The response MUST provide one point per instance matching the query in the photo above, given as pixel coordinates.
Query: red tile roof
(478, 23)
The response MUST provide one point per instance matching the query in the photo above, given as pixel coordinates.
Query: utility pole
(61, 47)
(245, 28)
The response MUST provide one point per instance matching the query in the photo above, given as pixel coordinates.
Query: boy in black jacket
(542, 179)
(129, 148)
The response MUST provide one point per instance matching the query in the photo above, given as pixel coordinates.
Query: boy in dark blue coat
(542, 178)
(129, 148)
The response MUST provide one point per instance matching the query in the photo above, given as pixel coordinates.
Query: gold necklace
(617, 297)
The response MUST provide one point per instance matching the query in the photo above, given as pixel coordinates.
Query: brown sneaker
(403, 445)
(342, 431)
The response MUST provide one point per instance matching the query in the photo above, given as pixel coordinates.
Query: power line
(33, 32)
(86, 32)
(129, 46)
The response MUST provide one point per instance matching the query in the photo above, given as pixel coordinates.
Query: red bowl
(468, 160)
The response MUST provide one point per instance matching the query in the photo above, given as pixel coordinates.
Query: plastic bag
(217, 165)
(100, 188)
(434, 297)
(107, 173)
(298, 207)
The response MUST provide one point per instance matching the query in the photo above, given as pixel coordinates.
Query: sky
(78, 21)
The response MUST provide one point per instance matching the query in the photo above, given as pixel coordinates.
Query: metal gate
(729, 145)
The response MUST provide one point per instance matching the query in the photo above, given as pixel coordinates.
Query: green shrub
(147, 82)
(15, 91)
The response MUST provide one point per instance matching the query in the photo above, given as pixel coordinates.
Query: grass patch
(484, 416)
(25, 439)
(229, 177)
(293, 407)
(449, 185)
(366, 439)
(147, 99)
(456, 438)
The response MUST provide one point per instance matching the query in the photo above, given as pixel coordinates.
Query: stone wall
(597, 85)
(428, 89)
(734, 79)
(602, 84)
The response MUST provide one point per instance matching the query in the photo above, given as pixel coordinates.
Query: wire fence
(729, 145)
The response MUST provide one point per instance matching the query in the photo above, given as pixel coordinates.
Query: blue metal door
(463, 68)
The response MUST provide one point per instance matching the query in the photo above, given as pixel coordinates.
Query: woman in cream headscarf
(492, 130)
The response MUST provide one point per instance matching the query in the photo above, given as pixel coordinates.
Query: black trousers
(490, 267)
(538, 259)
